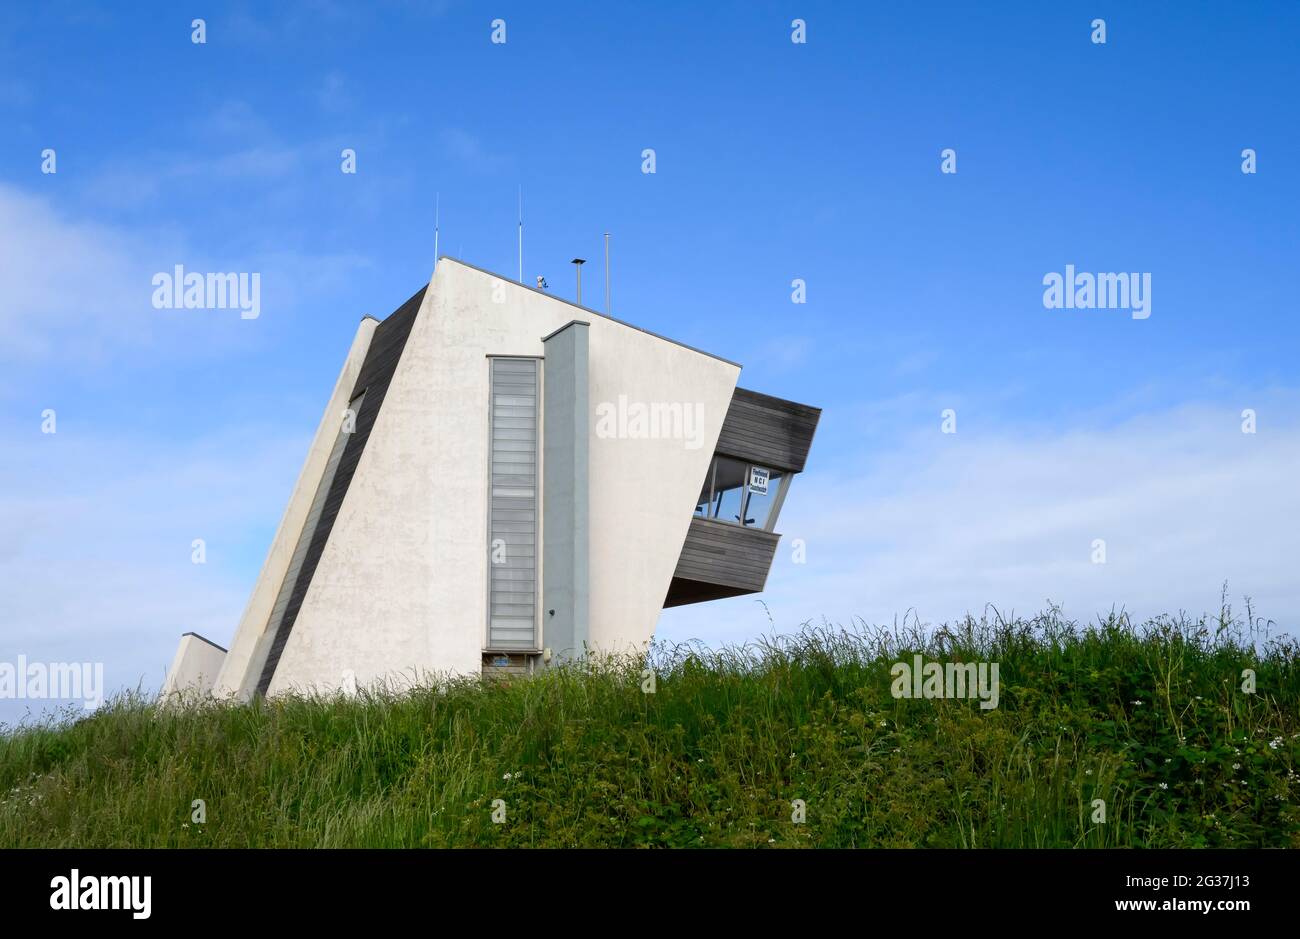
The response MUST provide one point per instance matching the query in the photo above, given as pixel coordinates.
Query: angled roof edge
(779, 400)
(556, 332)
(585, 309)
(205, 639)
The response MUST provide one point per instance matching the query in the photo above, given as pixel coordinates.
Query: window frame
(778, 498)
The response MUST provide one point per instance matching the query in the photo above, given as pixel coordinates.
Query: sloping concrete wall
(194, 668)
(236, 676)
(401, 588)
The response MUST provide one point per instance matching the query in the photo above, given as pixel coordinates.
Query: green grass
(1151, 719)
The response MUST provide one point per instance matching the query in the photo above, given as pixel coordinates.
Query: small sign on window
(758, 478)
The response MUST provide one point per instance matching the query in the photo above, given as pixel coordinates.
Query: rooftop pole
(577, 264)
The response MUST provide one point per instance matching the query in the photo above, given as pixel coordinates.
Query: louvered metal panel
(512, 505)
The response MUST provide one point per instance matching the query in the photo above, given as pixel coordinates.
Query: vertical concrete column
(566, 432)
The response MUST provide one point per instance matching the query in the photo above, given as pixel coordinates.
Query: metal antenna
(577, 264)
(607, 273)
(436, 199)
(521, 234)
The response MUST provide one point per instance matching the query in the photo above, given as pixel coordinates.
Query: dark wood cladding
(721, 560)
(682, 591)
(726, 556)
(768, 431)
(376, 372)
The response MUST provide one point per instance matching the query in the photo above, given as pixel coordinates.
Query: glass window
(728, 488)
(703, 506)
(740, 493)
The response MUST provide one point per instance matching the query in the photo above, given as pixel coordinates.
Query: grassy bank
(1150, 719)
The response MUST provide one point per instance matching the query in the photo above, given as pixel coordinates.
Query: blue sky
(774, 161)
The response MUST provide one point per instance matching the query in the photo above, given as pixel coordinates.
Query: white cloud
(944, 524)
(97, 555)
(70, 284)
(78, 290)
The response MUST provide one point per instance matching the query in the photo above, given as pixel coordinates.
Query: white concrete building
(503, 479)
